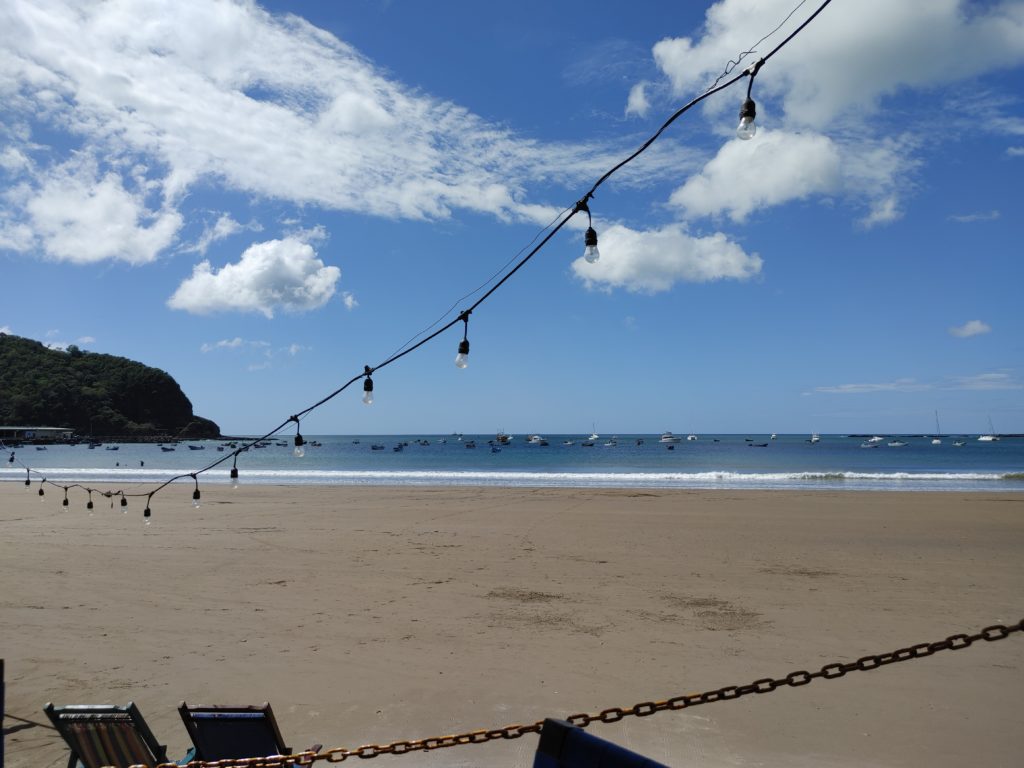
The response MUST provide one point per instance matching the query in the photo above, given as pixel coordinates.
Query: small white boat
(774, 436)
(959, 443)
(815, 438)
(876, 439)
(691, 437)
(991, 437)
(568, 442)
(895, 443)
(868, 444)
(938, 431)
(534, 439)
(611, 443)
(668, 437)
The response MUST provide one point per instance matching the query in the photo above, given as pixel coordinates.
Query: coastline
(370, 614)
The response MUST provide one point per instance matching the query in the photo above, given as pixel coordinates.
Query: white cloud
(771, 169)
(86, 340)
(80, 217)
(988, 381)
(637, 104)
(277, 274)
(349, 300)
(655, 260)
(832, 80)
(1015, 151)
(267, 105)
(970, 328)
(234, 343)
(969, 218)
(852, 55)
(6, 329)
(224, 227)
(899, 385)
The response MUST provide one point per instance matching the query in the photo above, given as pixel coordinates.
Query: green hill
(93, 394)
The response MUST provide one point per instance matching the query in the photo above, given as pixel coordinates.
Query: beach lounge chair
(563, 745)
(226, 732)
(106, 734)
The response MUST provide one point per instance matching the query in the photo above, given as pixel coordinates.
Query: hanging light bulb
(367, 385)
(124, 503)
(88, 504)
(28, 477)
(41, 492)
(146, 513)
(65, 502)
(195, 494)
(299, 450)
(462, 359)
(747, 128)
(234, 471)
(590, 252)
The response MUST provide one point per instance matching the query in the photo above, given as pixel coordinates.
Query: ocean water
(837, 462)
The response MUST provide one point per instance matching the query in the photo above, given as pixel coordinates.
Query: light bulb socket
(195, 495)
(367, 384)
(146, 512)
(88, 504)
(590, 238)
(234, 473)
(749, 109)
(464, 347)
(299, 442)
(124, 502)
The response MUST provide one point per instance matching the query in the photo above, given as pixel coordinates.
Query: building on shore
(36, 433)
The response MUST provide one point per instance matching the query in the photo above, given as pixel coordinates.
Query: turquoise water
(837, 462)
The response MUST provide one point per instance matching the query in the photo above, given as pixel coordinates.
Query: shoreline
(370, 614)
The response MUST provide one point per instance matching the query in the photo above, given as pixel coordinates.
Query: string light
(462, 359)
(124, 503)
(195, 493)
(88, 504)
(367, 385)
(591, 254)
(28, 476)
(65, 502)
(747, 127)
(299, 451)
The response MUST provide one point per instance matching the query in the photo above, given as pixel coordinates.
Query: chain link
(794, 679)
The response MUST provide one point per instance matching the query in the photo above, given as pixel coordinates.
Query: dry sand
(376, 614)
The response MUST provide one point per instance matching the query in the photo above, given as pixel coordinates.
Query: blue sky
(260, 203)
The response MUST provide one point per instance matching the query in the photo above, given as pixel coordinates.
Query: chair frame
(187, 710)
(158, 750)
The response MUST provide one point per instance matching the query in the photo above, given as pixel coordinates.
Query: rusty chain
(795, 679)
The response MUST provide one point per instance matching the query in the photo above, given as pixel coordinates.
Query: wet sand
(377, 614)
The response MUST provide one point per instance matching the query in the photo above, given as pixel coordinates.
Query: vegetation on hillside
(93, 394)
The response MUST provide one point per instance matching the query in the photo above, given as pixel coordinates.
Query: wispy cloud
(1015, 151)
(970, 328)
(86, 340)
(349, 300)
(969, 218)
(899, 385)
(987, 381)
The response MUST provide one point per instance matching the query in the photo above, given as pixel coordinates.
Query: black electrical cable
(580, 206)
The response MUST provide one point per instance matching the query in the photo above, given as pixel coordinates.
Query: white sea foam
(708, 479)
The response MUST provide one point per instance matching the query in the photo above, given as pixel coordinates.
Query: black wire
(579, 207)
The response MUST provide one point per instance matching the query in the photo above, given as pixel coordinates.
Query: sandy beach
(368, 615)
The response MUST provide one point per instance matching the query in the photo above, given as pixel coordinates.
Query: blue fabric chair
(563, 745)
(229, 733)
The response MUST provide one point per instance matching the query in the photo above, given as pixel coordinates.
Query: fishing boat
(668, 437)
(691, 437)
(896, 444)
(937, 440)
(815, 438)
(959, 443)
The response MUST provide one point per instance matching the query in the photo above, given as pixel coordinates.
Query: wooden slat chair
(106, 735)
(229, 732)
(563, 745)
